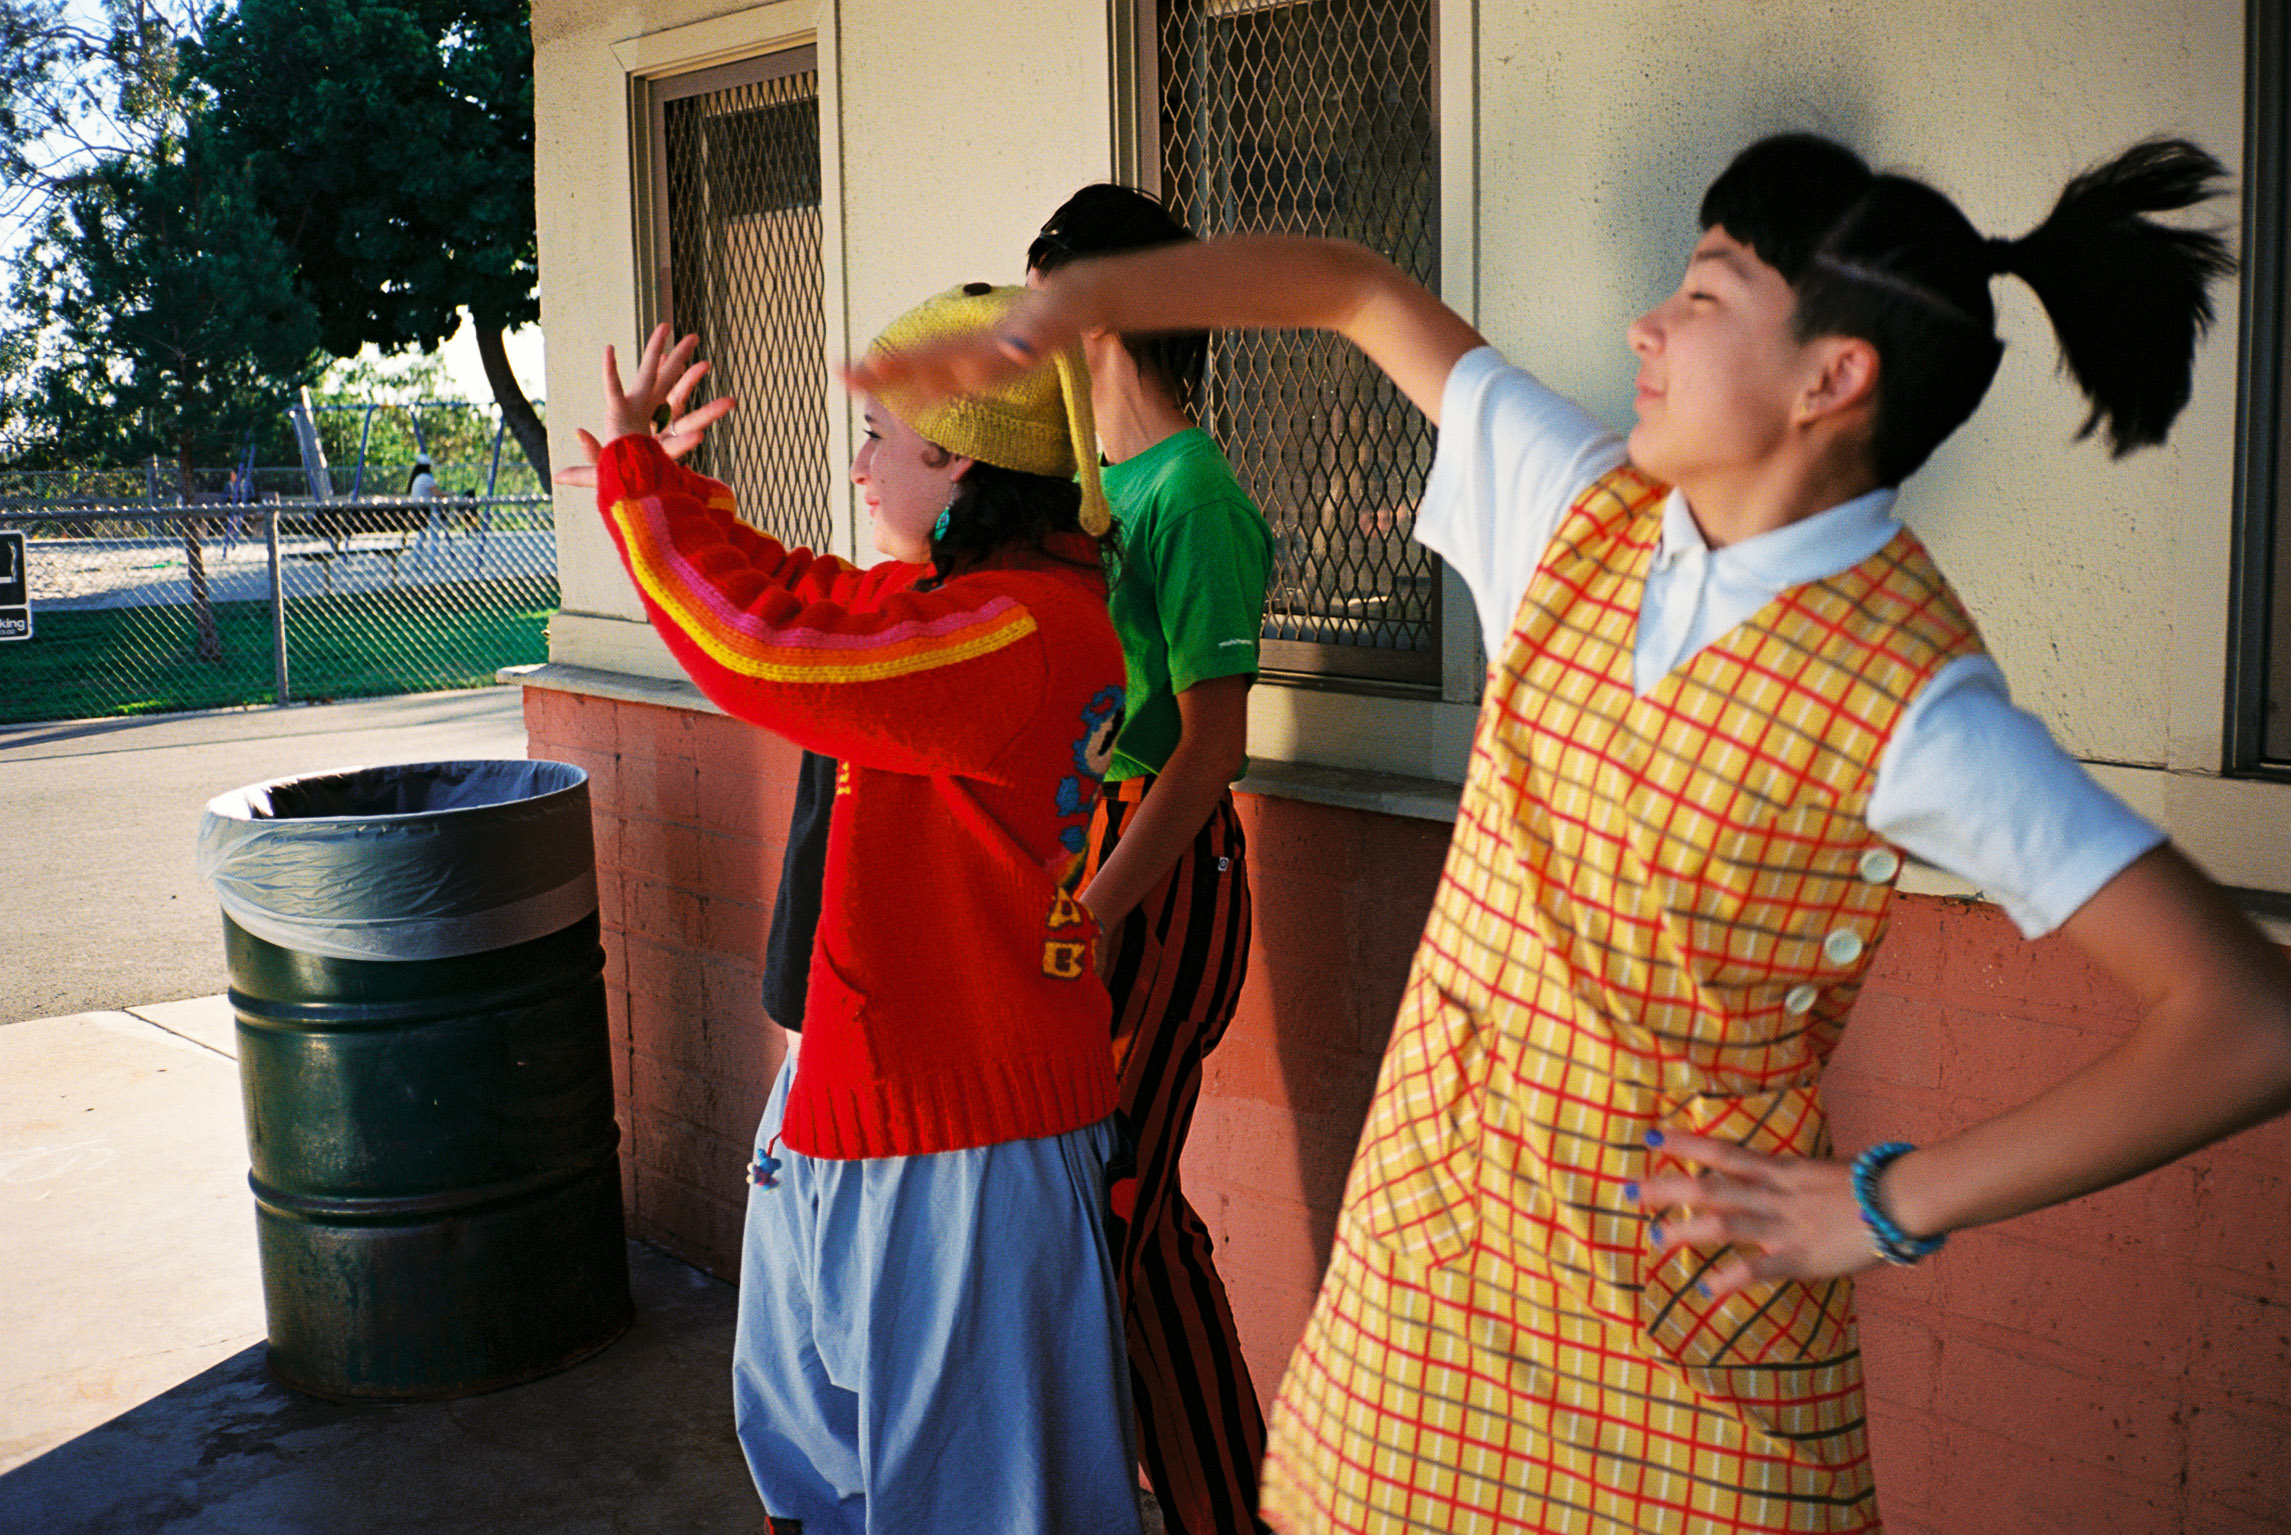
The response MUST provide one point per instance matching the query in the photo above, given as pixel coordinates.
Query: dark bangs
(1884, 259)
(1782, 196)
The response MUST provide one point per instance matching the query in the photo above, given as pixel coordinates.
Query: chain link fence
(512, 479)
(142, 608)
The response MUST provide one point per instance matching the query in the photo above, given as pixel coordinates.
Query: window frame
(657, 292)
(2263, 436)
(778, 38)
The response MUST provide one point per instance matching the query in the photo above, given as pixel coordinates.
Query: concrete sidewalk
(131, 1230)
(133, 1397)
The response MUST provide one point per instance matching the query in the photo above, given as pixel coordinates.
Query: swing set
(304, 418)
(386, 524)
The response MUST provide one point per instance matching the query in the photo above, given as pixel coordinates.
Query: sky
(468, 372)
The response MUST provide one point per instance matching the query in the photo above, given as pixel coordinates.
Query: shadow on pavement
(636, 1439)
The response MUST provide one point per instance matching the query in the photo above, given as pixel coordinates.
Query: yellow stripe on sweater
(653, 579)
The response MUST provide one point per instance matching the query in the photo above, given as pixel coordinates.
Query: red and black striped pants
(1175, 984)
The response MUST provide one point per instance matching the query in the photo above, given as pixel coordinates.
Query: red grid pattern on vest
(1655, 912)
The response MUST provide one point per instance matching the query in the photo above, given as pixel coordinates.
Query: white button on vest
(1800, 1001)
(1880, 864)
(1843, 946)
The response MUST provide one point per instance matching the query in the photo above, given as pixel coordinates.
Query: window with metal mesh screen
(1317, 117)
(737, 234)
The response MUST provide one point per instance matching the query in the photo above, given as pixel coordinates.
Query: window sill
(1434, 799)
(1427, 799)
(620, 687)
(1422, 799)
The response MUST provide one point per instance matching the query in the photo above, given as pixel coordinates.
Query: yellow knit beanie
(1036, 424)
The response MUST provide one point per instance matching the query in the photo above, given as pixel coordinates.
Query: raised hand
(1798, 1214)
(664, 376)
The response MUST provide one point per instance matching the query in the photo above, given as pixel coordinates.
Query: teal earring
(939, 528)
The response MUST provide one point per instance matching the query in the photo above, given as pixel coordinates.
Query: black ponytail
(2128, 297)
(1889, 260)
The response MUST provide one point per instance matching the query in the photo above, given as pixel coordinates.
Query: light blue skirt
(933, 1343)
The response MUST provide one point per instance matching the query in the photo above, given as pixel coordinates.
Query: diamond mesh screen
(743, 225)
(1316, 117)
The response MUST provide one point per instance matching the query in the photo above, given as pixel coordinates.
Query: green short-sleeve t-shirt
(1188, 596)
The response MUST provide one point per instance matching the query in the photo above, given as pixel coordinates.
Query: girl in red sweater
(928, 1333)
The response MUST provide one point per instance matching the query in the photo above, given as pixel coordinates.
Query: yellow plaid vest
(1655, 914)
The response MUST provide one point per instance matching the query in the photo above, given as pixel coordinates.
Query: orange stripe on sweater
(746, 658)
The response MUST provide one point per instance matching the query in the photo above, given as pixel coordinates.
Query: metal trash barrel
(426, 1071)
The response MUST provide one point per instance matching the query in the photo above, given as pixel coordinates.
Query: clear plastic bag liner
(422, 860)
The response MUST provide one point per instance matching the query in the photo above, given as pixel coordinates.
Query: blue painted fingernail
(1630, 1191)
(1654, 1137)
(1655, 1234)
(1703, 1290)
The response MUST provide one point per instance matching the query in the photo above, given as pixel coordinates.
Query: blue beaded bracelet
(1893, 1244)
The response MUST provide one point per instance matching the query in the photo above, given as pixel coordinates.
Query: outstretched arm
(844, 661)
(2210, 1056)
(1249, 282)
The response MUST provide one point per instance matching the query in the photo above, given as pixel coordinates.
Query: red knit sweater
(953, 999)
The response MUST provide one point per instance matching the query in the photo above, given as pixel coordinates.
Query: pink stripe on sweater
(739, 620)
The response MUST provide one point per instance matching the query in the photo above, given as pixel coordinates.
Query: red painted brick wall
(1340, 899)
(2122, 1363)
(691, 816)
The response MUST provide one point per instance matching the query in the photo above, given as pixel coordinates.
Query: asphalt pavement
(103, 906)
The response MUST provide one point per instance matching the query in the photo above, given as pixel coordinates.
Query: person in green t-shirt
(1164, 869)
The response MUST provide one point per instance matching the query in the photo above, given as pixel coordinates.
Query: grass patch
(414, 639)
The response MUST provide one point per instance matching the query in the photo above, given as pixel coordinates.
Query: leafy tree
(169, 320)
(18, 427)
(36, 46)
(89, 93)
(81, 84)
(391, 142)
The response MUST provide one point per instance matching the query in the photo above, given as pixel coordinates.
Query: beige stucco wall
(1580, 134)
(963, 126)
(951, 130)
(2100, 586)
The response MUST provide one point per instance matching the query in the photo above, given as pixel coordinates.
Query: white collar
(1809, 549)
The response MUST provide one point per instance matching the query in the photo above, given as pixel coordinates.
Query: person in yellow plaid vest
(1592, 1270)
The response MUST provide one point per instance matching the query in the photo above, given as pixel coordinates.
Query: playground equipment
(304, 417)
(391, 523)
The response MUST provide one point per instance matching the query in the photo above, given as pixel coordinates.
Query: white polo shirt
(1968, 783)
